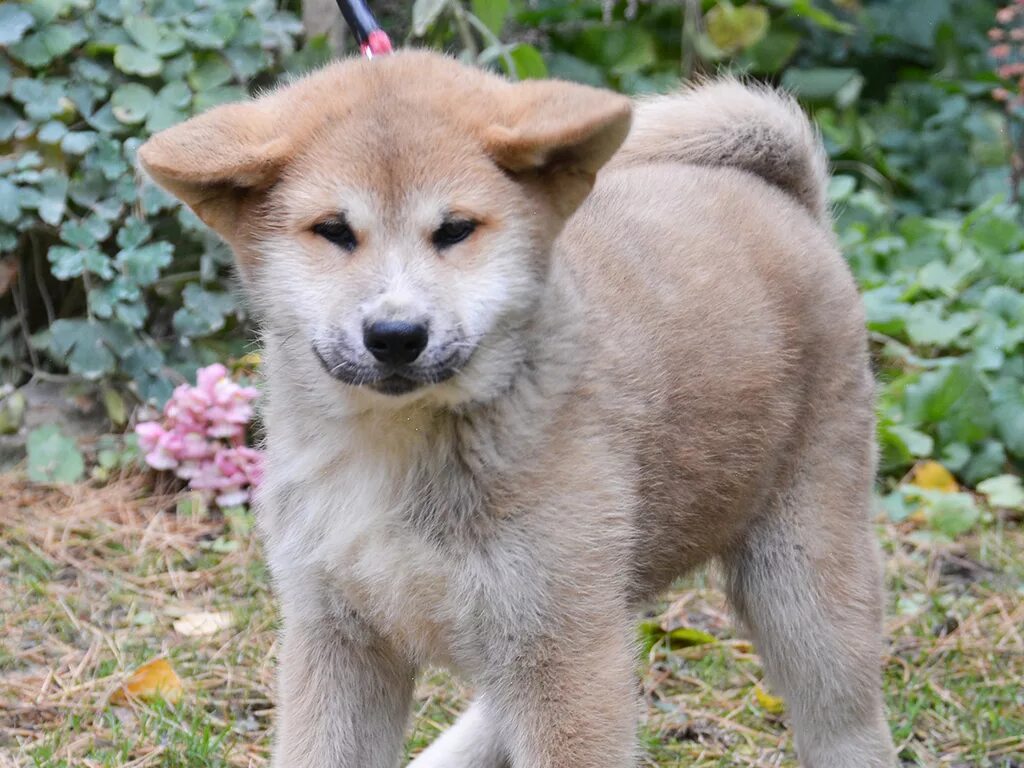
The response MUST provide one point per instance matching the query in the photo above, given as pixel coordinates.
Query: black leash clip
(373, 41)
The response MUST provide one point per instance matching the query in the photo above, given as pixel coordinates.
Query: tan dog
(510, 398)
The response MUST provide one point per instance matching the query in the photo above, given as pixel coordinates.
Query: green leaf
(14, 23)
(566, 67)
(41, 99)
(41, 48)
(927, 324)
(51, 132)
(825, 85)
(53, 197)
(895, 506)
(9, 120)
(204, 312)
(82, 345)
(133, 233)
(12, 412)
(117, 412)
(52, 457)
(733, 28)
(951, 513)
(688, 637)
(143, 265)
(210, 72)
(916, 443)
(987, 460)
(1008, 414)
(807, 9)
(225, 94)
(10, 207)
(529, 63)
(424, 14)
(45, 11)
(162, 116)
(78, 142)
(153, 37)
(773, 51)
(131, 102)
(175, 95)
(492, 13)
(133, 60)
(629, 50)
(78, 235)
(69, 263)
(104, 299)
(1005, 491)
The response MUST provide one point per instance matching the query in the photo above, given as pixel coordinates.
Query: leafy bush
(114, 283)
(115, 280)
(945, 306)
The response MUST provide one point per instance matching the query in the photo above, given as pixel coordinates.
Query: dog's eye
(338, 232)
(453, 231)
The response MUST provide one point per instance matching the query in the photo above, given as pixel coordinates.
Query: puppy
(525, 365)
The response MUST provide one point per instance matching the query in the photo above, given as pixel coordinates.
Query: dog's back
(723, 317)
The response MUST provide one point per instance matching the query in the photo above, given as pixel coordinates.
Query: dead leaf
(198, 624)
(771, 704)
(932, 476)
(153, 680)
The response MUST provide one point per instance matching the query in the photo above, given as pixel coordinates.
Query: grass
(93, 579)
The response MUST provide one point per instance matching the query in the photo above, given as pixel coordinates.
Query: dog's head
(393, 219)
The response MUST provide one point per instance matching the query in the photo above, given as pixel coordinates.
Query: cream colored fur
(657, 364)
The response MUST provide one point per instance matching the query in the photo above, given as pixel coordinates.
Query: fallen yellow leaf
(250, 360)
(932, 476)
(743, 646)
(196, 624)
(918, 517)
(771, 704)
(153, 680)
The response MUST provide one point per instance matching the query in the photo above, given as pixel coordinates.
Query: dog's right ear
(214, 162)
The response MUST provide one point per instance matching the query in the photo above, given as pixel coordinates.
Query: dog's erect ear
(563, 130)
(214, 161)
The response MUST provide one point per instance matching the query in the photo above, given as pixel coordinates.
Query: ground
(94, 580)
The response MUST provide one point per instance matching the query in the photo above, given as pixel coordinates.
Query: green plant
(945, 306)
(114, 280)
(53, 457)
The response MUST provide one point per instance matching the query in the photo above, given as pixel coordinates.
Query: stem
(468, 41)
(492, 39)
(690, 33)
(87, 282)
(37, 265)
(20, 297)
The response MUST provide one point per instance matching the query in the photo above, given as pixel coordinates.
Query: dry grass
(92, 579)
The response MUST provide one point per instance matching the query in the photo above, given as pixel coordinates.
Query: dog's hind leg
(472, 742)
(805, 581)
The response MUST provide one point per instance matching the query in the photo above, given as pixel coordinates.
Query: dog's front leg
(344, 696)
(571, 700)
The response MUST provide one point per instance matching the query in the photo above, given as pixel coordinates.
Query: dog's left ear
(560, 131)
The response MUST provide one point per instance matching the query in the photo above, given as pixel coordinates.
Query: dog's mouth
(389, 379)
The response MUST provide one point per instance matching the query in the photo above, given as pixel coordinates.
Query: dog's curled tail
(728, 123)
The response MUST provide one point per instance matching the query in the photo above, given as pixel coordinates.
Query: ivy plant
(115, 280)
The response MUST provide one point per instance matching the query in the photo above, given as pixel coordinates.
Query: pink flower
(201, 437)
(149, 433)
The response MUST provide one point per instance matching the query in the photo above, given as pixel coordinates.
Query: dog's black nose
(394, 341)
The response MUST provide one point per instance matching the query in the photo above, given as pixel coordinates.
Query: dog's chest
(349, 542)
